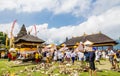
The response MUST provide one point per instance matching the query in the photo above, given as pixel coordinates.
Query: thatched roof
(29, 38)
(95, 38)
(22, 31)
(24, 37)
(3, 49)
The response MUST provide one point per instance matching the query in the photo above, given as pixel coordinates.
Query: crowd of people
(79, 52)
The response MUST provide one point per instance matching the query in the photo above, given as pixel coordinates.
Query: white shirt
(97, 55)
(80, 54)
(110, 52)
(68, 54)
(48, 54)
(55, 53)
(103, 54)
(80, 47)
(73, 54)
(60, 55)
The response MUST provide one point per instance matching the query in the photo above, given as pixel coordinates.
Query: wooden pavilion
(27, 43)
(98, 39)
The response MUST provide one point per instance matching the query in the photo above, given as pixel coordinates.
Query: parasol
(12, 50)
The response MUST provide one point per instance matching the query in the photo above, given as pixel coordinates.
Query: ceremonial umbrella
(12, 50)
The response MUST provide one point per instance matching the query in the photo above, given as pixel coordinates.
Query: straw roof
(95, 38)
(29, 38)
(24, 37)
(3, 49)
(22, 31)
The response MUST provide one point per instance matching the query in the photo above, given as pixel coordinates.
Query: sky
(57, 19)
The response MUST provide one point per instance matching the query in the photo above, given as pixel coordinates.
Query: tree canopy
(3, 38)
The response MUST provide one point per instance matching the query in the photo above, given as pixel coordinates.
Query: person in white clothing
(97, 56)
(111, 57)
(60, 56)
(80, 56)
(103, 54)
(73, 55)
(55, 55)
(100, 53)
(48, 57)
(68, 55)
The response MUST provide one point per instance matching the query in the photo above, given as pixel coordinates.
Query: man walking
(91, 61)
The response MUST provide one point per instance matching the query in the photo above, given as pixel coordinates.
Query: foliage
(3, 39)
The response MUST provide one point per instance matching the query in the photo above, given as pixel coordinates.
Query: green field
(32, 69)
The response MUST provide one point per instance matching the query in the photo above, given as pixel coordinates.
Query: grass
(7, 66)
(104, 73)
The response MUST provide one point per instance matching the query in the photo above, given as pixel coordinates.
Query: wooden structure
(98, 39)
(26, 42)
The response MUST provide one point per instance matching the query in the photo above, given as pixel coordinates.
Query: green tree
(2, 38)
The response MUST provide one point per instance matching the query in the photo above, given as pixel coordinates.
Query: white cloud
(72, 6)
(7, 28)
(107, 22)
(26, 5)
(101, 6)
(84, 8)
(9, 5)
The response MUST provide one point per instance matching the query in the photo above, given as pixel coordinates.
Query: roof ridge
(89, 35)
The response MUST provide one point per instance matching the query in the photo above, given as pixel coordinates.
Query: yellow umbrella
(12, 50)
(63, 45)
(16, 49)
(49, 46)
(75, 46)
(77, 43)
